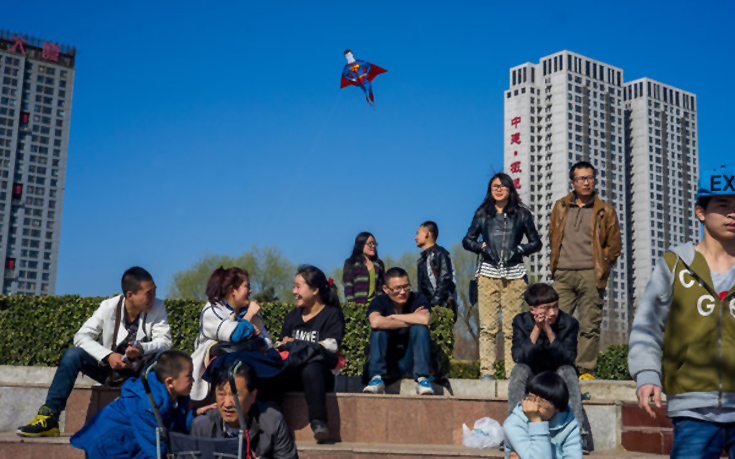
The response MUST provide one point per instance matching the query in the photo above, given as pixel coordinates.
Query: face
(719, 217)
(545, 408)
(143, 299)
(423, 237)
(226, 401)
(304, 295)
(371, 247)
(181, 385)
(584, 181)
(549, 311)
(398, 289)
(500, 191)
(240, 297)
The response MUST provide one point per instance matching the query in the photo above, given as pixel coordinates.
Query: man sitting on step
(399, 341)
(132, 325)
(545, 339)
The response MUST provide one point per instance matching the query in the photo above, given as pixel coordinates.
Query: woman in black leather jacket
(496, 235)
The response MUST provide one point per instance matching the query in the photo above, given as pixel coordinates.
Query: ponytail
(222, 279)
(315, 278)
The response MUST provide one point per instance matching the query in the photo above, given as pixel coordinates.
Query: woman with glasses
(229, 317)
(363, 272)
(496, 235)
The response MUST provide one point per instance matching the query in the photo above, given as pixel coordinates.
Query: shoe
(501, 446)
(587, 445)
(586, 376)
(423, 386)
(321, 432)
(45, 424)
(375, 386)
(487, 378)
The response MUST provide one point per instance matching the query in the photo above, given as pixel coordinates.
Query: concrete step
(14, 447)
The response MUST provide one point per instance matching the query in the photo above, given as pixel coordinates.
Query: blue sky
(208, 127)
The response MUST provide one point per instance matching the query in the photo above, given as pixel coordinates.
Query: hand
(287, 339)
(530, 409)
(483, 246)
(256, 330)
(115, 361)
(644, 394)
(253, 308)
(133, 351)
(204, 409)
(513, 455)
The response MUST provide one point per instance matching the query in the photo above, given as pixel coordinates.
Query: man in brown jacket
(585, 242)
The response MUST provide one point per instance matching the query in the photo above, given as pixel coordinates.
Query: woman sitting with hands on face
(542, 426)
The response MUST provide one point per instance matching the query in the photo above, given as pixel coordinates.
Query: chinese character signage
(515, 139)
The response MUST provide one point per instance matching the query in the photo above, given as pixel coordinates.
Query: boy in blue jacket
(126, 428)
(542, 426)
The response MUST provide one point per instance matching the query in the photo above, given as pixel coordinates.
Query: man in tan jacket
(585, 242)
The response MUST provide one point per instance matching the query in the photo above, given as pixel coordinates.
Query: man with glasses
(545, 339)
(400, 343)
(585, 243)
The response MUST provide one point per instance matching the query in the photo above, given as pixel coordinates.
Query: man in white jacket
(137, 323)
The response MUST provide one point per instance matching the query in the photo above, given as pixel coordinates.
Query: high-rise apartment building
(569, 108)
(661, 135)
(35, 108)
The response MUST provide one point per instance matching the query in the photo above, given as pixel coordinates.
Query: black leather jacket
(503, 234)
(445, 288)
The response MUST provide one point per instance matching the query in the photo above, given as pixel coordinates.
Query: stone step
(14, 447)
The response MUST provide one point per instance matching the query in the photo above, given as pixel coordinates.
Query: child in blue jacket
(542, 426)
(126, 428)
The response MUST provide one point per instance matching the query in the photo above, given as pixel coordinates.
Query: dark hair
(315, 278)
(221, 376)
(581, 165)
(357, 250)
(538, 294)
(132, 278)
(432, 228)
(222, 279)
(394, 273)
(703, 202)
(171, 363)
(514, 201)
(550, 386)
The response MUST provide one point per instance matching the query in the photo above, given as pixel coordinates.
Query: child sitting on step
(542, 426)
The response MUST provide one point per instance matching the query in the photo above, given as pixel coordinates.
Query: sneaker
(487, 377)
(321, 432)
(375, 386)
(423, 386)
(586, 376)
(45, 424)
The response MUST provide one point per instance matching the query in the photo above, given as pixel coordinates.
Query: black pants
(313, 379)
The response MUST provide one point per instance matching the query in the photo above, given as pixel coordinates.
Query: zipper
(502, 244)
(719, 352)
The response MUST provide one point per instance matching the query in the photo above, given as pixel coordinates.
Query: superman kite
(360, 73)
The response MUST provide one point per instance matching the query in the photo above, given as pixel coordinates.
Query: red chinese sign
(50, 51)
(516, 167)
(19, 42)
(515, 138)
(515, 121)
(517, 183)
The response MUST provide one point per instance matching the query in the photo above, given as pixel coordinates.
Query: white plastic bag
(487, 434)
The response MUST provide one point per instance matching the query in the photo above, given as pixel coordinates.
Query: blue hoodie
(126, 428)
(558, 438)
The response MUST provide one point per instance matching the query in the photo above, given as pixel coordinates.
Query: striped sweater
(356, 279)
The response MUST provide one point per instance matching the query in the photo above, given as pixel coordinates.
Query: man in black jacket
(545, 339)
(435, 274)
(268, 433)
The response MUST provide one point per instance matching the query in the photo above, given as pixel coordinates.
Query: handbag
(473, 285)
(133, 366)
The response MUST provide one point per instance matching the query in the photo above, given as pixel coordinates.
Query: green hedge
(36, 330)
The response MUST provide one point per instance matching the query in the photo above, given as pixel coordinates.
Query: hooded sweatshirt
(557, 438)
(126, 428)
(683, 335)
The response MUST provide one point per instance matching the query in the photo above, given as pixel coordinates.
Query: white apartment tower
(569, 108)
(661, 134)
(36, 79)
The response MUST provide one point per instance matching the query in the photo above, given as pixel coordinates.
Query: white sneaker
(375, 386)
(423, 386)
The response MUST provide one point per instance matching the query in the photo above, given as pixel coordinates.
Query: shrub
(36, 330)
(613, 363)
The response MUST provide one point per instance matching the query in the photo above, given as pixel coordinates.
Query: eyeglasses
(499, 187)
(400, 288)
(371, 244)
(588, 178)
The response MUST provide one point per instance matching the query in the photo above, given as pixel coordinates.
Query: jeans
(390, 353)
(73, 361)
(694, 438)
(519, 378)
